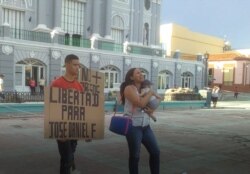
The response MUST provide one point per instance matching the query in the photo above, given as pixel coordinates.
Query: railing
(20, 97)
(145, 50)
(1, 31)
(30, 35)
(74, 41)
(78, 41)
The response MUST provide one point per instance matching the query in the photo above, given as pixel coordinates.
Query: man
(236, 93)
(1, 86)
(68, 81)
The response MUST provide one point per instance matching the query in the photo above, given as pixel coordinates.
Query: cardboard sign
(70, 114)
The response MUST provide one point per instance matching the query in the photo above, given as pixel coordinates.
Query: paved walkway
(198, 141)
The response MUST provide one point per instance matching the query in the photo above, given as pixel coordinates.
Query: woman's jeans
(144, 135)
(67, 150)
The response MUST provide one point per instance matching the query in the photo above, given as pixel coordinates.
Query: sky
(226, 19)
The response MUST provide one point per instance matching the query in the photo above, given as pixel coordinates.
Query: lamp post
(205, 61)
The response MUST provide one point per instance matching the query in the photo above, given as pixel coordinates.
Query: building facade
(111, 36)
(181, 40)
(230, 70)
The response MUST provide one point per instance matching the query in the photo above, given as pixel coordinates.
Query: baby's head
(146, 84)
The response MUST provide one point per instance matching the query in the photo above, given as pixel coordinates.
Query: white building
(36, 36)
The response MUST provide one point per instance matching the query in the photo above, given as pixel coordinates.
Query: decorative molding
(32, 54)
(125, 47)
(56, 54)
(218, 65)
(6, 24)
(95, 58)
(199, 68)
(155, 65)
(128, 62)
(178, 66)
(7, 49)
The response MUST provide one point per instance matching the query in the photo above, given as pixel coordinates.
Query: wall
(177, 37)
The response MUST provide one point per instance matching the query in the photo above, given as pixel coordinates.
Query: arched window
(147, 4)
(111, 76)
(146, 34)
(117, 31)
(27, 69)
(186, 80)
(16, 19)
(164, 80)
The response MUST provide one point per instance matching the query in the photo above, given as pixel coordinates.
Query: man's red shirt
(61, 82)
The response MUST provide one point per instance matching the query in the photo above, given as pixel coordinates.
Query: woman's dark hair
(127, 82)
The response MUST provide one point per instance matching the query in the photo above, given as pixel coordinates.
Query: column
(41, 10)
(88, 22)
(95, 61)
(54, 67)
(136, 21)
(140, 21)
(6, 30)
(7, 66)
(127, 62)
(57, 13)
(177, 78)
(154, 73)
(96, 18)
(108, 18)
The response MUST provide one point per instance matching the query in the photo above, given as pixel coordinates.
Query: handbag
(120, 124)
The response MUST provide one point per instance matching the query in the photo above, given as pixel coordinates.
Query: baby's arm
(158, 96)
(150, 112)
(142, 93)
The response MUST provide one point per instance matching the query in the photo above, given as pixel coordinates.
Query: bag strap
(133, 109)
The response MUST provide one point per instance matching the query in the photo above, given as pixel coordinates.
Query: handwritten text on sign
(71, 114)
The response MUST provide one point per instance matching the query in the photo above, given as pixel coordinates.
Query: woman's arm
(130, 93)
(158, 97)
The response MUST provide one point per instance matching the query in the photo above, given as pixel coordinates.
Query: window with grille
(228, 76)
(111, 76)
(186, 79)
(163, 80)
(15, 19)
(72, 17)
(146, 34)
(29, 68)
(117, 31)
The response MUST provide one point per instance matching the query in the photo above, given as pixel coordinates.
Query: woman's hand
(148, 110)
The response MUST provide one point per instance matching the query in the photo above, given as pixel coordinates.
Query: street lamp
(205, 61)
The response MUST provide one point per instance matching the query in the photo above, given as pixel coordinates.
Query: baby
(154, 100)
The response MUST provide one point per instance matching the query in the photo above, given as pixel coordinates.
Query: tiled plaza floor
(198, 141)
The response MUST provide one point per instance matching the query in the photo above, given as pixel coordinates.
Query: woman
(32, 84)
(140, 131)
